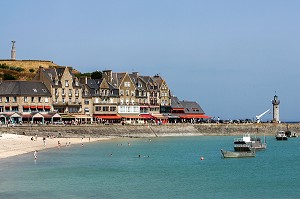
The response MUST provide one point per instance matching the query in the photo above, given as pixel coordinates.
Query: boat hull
(238, 154)
(281, 138)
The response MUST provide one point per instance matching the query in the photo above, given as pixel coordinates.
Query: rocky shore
(117, 130)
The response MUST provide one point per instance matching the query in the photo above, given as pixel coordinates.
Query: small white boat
(281, 135)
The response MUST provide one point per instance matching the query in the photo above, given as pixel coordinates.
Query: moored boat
(248, 142)
(242, 148)
(238, 154)
(281, 135)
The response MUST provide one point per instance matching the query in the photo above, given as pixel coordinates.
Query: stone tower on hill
(13, 50)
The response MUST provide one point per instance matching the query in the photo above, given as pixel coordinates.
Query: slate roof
(23, 88)
(189, 106)
(175, 102)
(192, 107)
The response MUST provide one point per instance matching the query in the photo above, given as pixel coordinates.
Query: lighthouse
(13, 50)
(275, 103)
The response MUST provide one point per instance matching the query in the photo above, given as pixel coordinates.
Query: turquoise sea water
(167, 168)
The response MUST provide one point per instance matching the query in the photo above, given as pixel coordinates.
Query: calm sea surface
(167, 168)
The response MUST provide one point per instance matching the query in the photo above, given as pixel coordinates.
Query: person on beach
(35, 155)
(58, 144)
(44, 140)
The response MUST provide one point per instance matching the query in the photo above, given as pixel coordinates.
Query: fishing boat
(241, 144)
(280, 135)
(242, 149)
(238, 154)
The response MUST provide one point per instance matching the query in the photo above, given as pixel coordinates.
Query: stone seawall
(117, 130)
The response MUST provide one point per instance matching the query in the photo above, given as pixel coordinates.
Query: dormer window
(76, 83)
(44, 90)
(34, 90)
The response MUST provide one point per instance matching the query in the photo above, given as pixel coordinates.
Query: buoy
(202, 158)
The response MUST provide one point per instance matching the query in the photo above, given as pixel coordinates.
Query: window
(0, 99)
(44, 90)
(76, 83)
(40, 99)
(127, 84)
(127, 92)
(25, 99)
(70, 92)
(105, 108)
(67, 83)
(32, 99)
(46, 99)
(86, 102)
(63, 91)
(112, 108)
(14, 99)
(76, 92)
(63, 100)
(121, 92)
(76, 100)
(6, 99)
(56, 91)
(98, 108)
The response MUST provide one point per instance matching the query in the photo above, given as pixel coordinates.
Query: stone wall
(150, 131)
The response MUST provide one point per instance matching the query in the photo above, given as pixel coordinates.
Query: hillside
(30, 67)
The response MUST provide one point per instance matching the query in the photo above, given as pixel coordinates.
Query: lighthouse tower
(275, 103)
(13, 50)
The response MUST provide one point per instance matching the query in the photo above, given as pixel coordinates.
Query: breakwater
(117, 130)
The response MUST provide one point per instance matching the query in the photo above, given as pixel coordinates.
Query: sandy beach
(12, 144)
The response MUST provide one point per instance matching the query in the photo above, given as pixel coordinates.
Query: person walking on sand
(44, 140)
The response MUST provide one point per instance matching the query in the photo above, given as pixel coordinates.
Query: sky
(229, 56)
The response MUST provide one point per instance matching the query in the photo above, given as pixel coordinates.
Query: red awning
(7, 106)
(40, 107)
(178, 109)
(147, 116)
(108, 117)
(47, 107)
(33, 107)
(131, 116)
(190, 116)
(26, 106)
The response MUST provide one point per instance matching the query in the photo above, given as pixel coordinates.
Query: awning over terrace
(108, 117)
(147, 116)
(159, 116)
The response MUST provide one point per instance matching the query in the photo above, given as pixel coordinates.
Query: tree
(31, 70)
(7, 76)
(96, 75)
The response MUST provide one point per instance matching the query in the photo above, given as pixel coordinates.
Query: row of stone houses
(57, 94)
